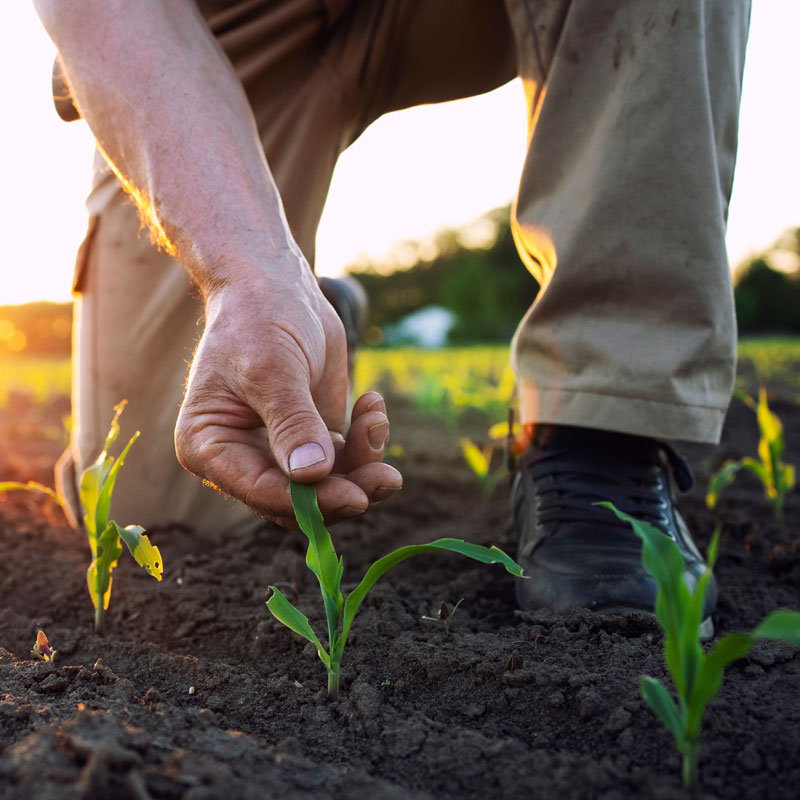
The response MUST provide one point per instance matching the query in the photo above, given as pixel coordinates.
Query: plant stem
(99, 614)
(690, 764)
(333, 682)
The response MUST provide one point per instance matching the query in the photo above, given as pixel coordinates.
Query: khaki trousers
(632, 114)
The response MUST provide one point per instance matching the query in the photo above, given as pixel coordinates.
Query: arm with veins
(257, 408)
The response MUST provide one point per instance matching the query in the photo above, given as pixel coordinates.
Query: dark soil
(196, 692)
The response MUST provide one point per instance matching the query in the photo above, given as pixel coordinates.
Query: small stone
(590, 703)
(474, 710)
(749, 758)
(519, 677)
(53, 683)
(618, 721)
(556, 699)
(191, 690)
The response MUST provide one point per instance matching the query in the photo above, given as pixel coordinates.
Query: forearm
(171, 117)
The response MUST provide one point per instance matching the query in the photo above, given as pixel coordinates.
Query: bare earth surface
(196, 692)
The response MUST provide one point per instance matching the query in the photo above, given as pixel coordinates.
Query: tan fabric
(633, 124)
(634, 109)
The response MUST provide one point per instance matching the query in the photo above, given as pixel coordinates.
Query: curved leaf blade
(98, 576)
(783, 624)
(31, 486)
(107, 486)
(709, 677)
(321, 556)
(722, 478)
(295, 620)
(147, 555)
(657, 697)
(487, 555)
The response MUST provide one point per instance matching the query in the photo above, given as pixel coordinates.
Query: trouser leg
(633, 115)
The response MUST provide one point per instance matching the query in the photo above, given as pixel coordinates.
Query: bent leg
(633, 116)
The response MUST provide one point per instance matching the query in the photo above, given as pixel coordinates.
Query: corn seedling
(697, 675)
(97, 486)
(445, 615)
(42, 649)
(322, 560)
(777, 477)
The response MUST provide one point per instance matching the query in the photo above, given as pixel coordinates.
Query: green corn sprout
(697, 675)
(777, 477)
(480, 462)
(322, 560)
(97, 486)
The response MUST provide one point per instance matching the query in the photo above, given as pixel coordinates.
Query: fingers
(368, 434)
(370, 401)
(298, 437)
(378, 481)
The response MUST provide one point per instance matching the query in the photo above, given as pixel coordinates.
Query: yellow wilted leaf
(475, 457)
(147, 555)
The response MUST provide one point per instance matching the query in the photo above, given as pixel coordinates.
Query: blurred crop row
(445, 383)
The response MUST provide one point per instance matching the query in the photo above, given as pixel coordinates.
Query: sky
(449, 163)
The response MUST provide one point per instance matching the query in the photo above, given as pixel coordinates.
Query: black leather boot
(579, 555)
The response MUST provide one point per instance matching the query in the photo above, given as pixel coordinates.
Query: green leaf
(147, 555)
(693, 617)
(113, 428)
(321, 557)
(91, 480)
(761, 472)
(719, 480)
(98, 576)
(783, 625)
(487, 555)
(107, 487)
(662, 558)
(709, 678)
(295, 620)
(31, 486)
(657, 697)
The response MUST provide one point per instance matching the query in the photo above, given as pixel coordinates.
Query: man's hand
(266, 399)
(268, 387)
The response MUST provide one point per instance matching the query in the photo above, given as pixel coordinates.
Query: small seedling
(777, 477)
(97, 486)
(697, 675)
(42, 648)
(322, 560)
(445, 615)
(480, 462)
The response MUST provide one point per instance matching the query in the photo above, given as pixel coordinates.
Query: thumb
(298, 437)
